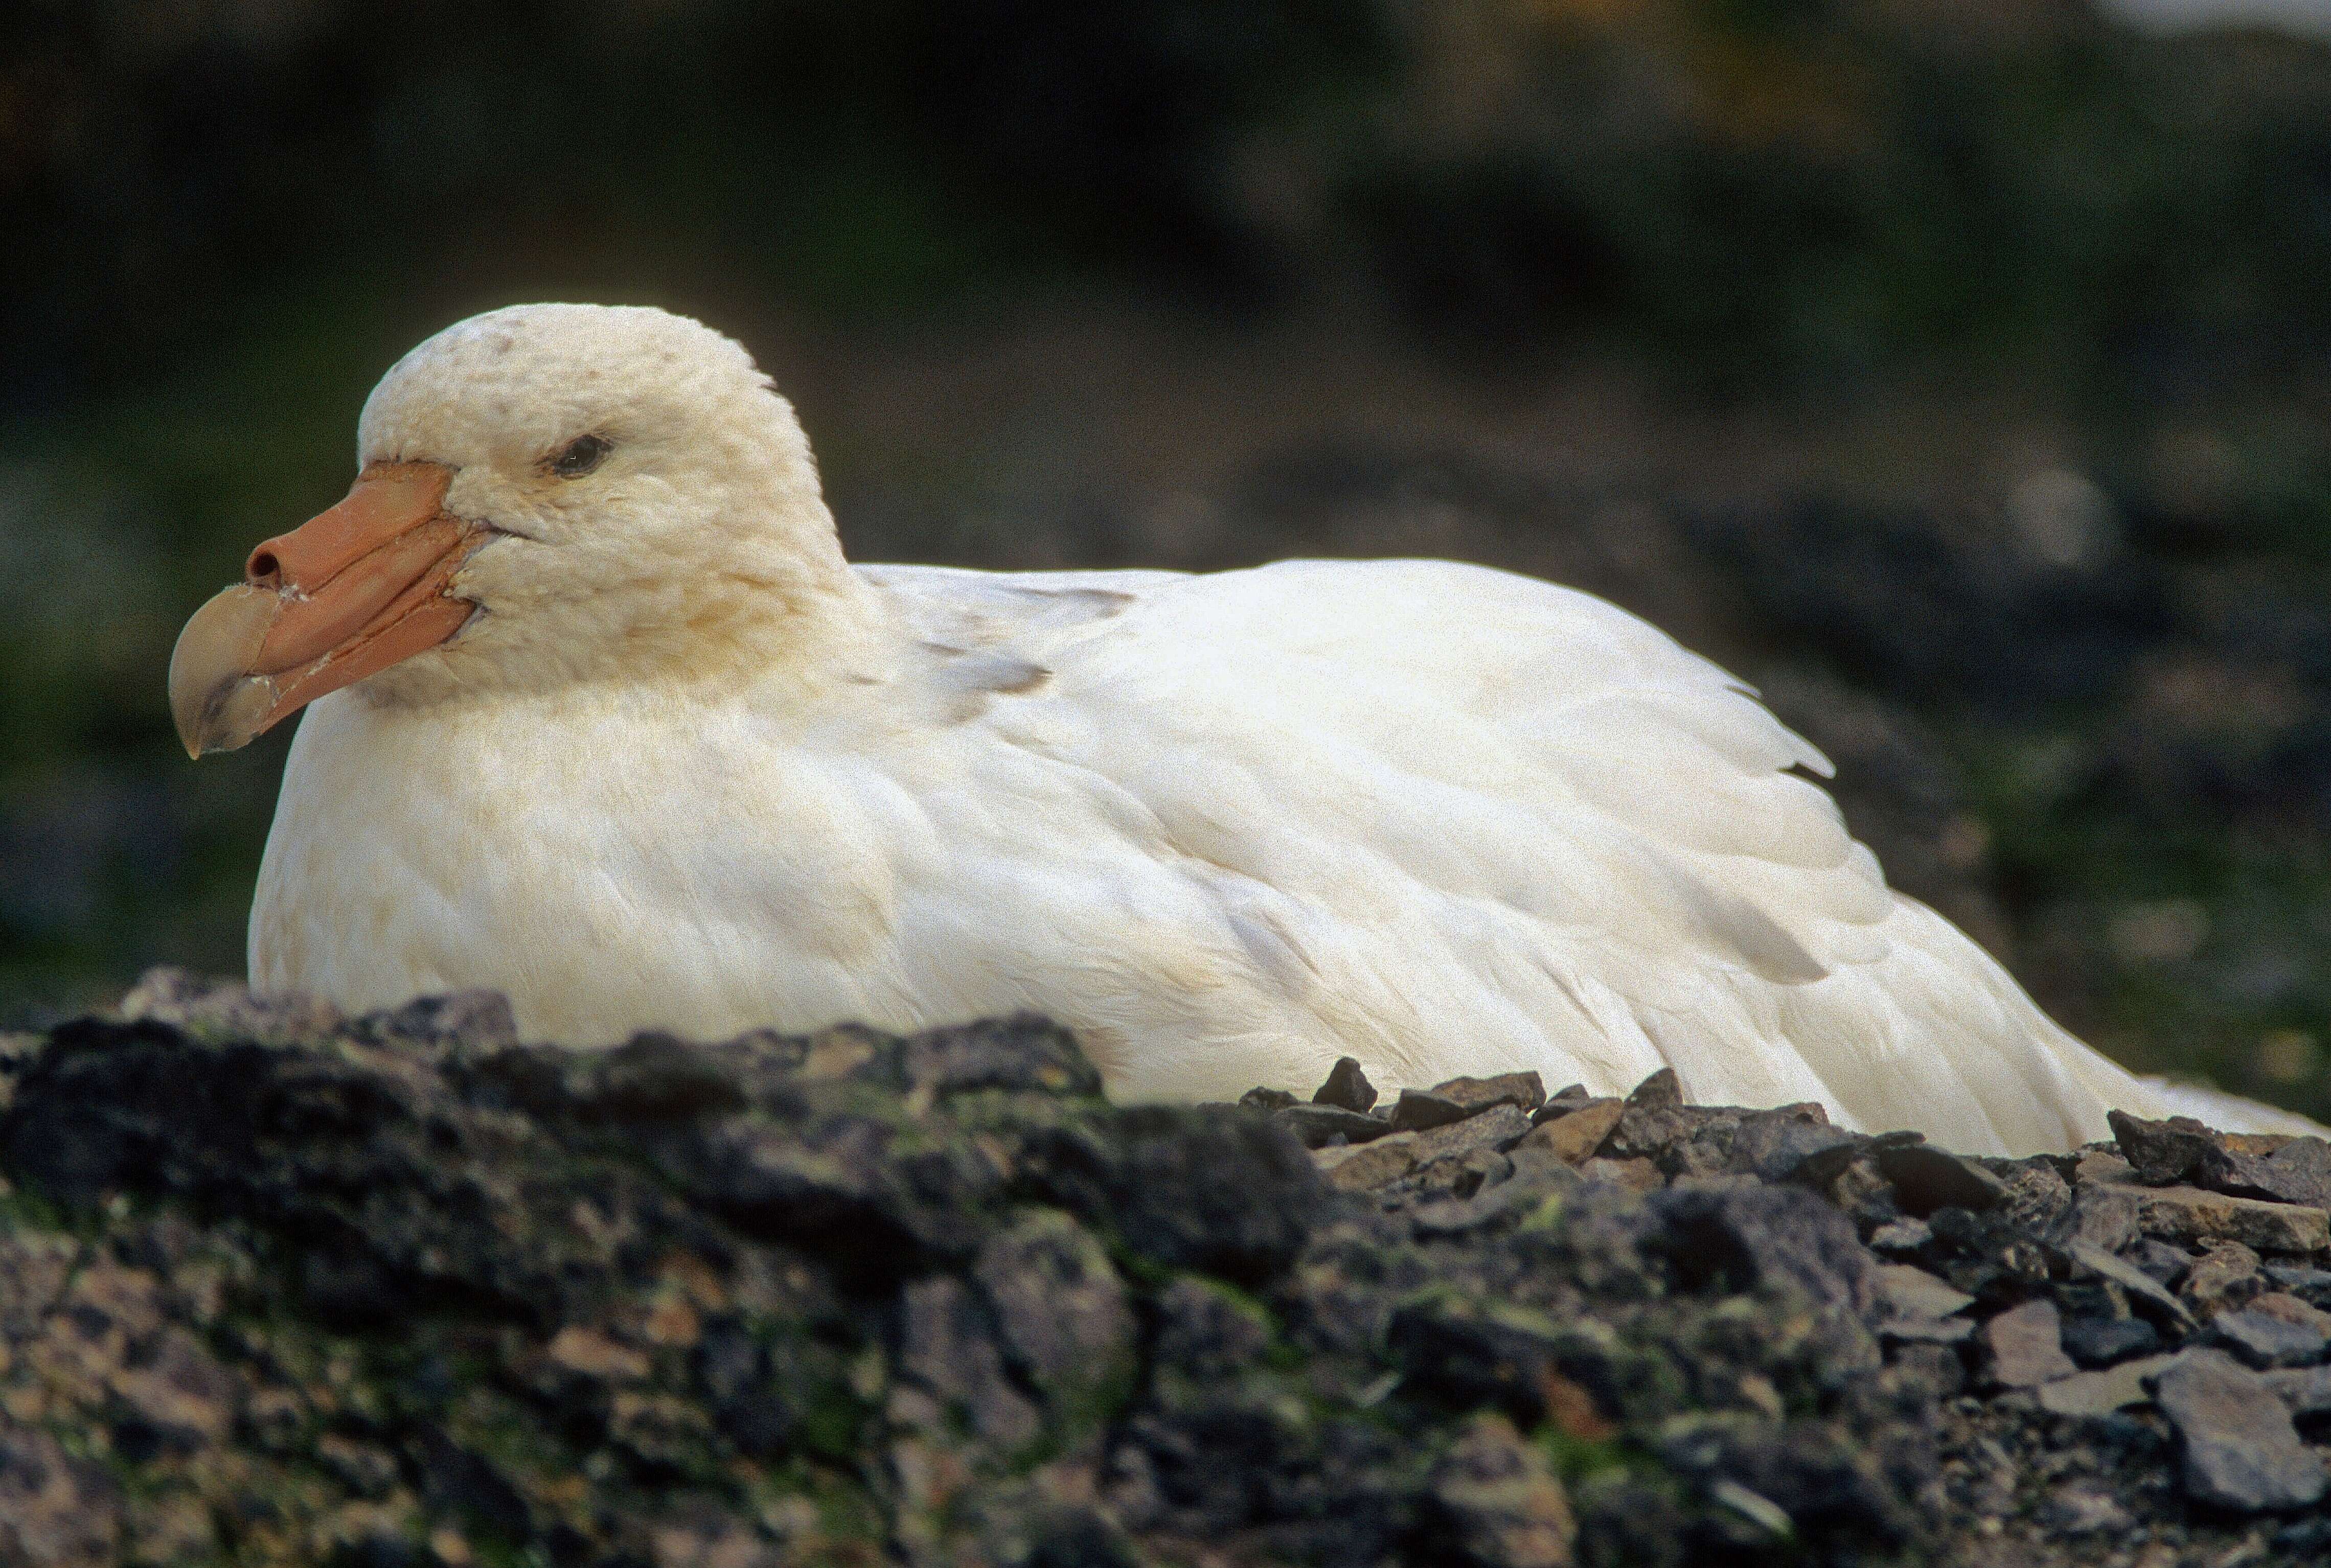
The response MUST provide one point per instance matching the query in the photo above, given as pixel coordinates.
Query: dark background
(1955, 369)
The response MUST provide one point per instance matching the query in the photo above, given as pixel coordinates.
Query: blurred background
(1957, 370)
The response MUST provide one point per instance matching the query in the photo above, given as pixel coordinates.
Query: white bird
(599, 717)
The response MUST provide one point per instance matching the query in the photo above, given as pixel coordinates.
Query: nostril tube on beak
(263, 570)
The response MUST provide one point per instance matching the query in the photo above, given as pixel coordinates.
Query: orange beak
(349, 592)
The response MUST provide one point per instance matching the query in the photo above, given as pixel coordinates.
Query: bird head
(545, 494)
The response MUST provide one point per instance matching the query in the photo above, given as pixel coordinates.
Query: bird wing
(1447, 820)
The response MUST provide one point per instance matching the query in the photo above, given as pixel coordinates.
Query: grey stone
(1066, 1324)
(2306, 1389)
(1347, 1087)
(2098, 1394)
(2158, 1260)
(2101, 1214)
(2143, 1288)
(2299, 1171)
(944, 1348)
(1915, 1293)
(2078, 1511)
(1314, 1126)
(2192, 1215)
(1901, 1236)
(2240, 1451)
(1636, 1175)
(2026, 1346)
(2311, 1285)
(2101, 1341)
(1926, 1179)
(1524, 1089)
(2264, 1341)
(1774, 1147)
(1418, 1110)
(1574, 1136)
(1782, 1234)
(1358, 1167)
(2037, 1196)
(2163, 1153)
(1494, 1128)
(1661, 1091)
(1530, 1185)
(2223, 1277)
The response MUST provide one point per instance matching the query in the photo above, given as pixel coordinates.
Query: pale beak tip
(216, 701)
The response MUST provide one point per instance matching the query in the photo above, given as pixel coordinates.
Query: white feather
(1229, 827)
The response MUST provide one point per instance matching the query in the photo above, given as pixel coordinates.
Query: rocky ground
(277, 1287)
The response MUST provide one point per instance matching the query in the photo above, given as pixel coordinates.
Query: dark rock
(1266, 1099)
(1207, 1332)
(2239, 1448)
(2145, 1292)
(1463, 1354)
(2224, 1276)
(2100, 1214)
(1499, 1503)
(2161, 1262)
(1569, 1097)
(1774, 1147)
(946, 1351)
(2299, 1171)
(2163, 1153)
(1500, 1126)
(54, 1508)
(474, 1021)
(1525, 1090)
(2308, 1283)
(1758, 1233)
(1346, 1088)
(458, 1480)
(1417, 1111)
(1313, 1126)
(1227, 1195)
(1926, 1179)
(1988, 1257)
(2101, 1341)
(1061, 1314)
(390, 1292)
(1661, 1091)
(2036, 1196)
(655, 1078)
(1026, 1053)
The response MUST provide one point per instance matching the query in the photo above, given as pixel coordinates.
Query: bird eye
(580, 456)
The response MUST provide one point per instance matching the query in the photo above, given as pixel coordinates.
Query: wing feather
(1452, 820)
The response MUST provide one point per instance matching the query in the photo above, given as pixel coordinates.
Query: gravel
(280, 1287)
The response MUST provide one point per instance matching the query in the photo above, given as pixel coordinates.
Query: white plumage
(687, 769)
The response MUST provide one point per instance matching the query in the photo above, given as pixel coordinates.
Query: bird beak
(349, 592)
